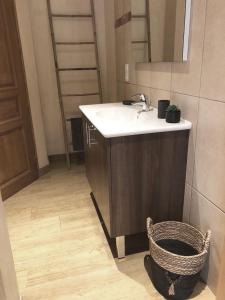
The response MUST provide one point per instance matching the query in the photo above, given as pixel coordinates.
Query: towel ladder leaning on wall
(58, 70)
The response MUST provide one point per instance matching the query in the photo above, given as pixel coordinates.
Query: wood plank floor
(60, 250)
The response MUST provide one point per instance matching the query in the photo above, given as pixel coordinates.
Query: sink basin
(115, 119)
(117, 114)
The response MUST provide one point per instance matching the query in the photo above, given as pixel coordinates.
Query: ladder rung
(78, 151)
(71, 118)
(139, 16)
(76, 69)
(75, 43)
(68, 119)
(71, 16)
(139, 42)
(80, 95)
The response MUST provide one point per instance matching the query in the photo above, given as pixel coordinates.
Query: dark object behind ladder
(77, 134)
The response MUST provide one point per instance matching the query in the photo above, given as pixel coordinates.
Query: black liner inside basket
(161, 279)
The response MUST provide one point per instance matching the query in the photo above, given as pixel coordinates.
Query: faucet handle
(142, 97)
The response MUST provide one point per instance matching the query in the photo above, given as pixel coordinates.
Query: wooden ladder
(58, 69)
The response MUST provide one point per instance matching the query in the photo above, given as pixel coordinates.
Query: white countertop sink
(116, 119)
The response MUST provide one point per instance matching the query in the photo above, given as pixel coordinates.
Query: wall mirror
(160, 30)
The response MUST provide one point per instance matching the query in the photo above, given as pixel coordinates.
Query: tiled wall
(198, 88)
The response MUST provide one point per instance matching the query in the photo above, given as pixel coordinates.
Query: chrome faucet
(144, 101)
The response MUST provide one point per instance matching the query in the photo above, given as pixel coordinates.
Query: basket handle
(149, 223)
(206, 241)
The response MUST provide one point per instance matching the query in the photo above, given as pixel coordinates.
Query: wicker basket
(171, 263)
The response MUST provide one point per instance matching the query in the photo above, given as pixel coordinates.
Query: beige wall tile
(189, 110)
(214, 58)
(132, 73)
(187, 204)
(132, 89)
(204, 215)
(186, 76)
(209, 177)
(120, 91)
(160, 76)
(143, 74)
(156, 95)
(220, 288)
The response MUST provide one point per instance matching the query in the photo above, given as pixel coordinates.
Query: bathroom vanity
(136, 167)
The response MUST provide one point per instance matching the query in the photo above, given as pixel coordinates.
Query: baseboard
(61, 157)
(44, 170)
(56, 157)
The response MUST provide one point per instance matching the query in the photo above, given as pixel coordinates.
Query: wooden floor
(60, 250)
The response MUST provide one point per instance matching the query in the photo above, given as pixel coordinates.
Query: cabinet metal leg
(120, 245)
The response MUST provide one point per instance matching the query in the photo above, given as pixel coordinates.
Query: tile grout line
(194, 160)
(198, 114)
(177, 92)
(203, 49)
(197, 191)
(171, 79)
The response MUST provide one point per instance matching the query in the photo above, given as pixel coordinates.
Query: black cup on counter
(162, 107)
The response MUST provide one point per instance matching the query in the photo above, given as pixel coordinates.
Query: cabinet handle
(91, 141)
(87, 134)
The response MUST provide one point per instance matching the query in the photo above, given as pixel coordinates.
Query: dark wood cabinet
(134, 177)
(97, 161)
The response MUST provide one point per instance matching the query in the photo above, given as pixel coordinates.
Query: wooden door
(18, 162)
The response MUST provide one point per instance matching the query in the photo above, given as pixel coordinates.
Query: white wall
(32, 80)
(46, 76)
(110, 48)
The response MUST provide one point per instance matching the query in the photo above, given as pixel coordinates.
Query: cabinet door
(148, 179)
(97, 168)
